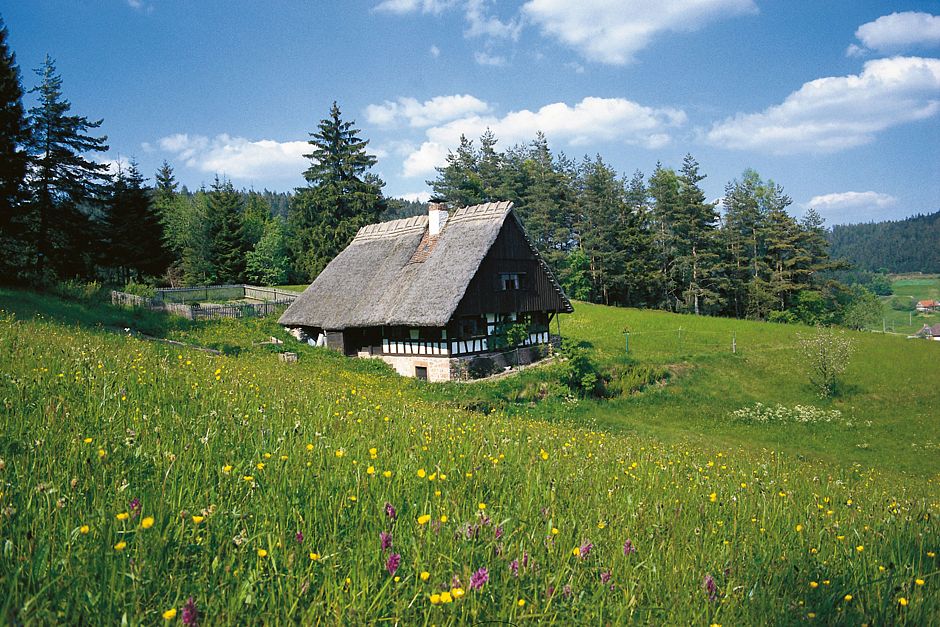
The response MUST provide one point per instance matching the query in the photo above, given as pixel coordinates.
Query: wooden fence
(174, 301)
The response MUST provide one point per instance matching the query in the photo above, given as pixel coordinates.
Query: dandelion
(425, 575)
(310, 447)
(479, 578)
(521, 602)
(554, 531)
(628, 548)
(340, 452)
(147, 522)
(387, 474)
(314, 557)
(386, 540)
(482, 506)
(84, 529)
(370, 470)
(423, 519)
(902, 602)
(799, 528)
(390, 511)
(227, 468)
(120, 546)
(847, 598)
(123, 516)
(262, 553)
(393, 562)
(919, 582)
(713, 497)
(444, 518)
(190, 613)
(170, 614)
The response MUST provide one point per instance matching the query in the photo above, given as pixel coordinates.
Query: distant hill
(909, 245)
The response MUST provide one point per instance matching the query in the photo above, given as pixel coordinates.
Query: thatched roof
(379, 280)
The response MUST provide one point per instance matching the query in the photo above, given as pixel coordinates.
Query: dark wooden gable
(511, 254)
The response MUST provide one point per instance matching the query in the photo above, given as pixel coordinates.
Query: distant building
(430, 293)
(929, 332)
(927, 306)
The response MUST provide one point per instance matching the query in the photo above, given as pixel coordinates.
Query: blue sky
(837, 101)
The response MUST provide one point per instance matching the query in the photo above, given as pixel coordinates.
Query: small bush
(480, 367)
(139, 289)
(635, 378)
(73, 289)
(902, 303)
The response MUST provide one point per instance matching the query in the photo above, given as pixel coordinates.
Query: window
(414, 333)
(421, 372)
(510, 281)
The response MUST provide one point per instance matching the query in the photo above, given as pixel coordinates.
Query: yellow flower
(446, 598)
(847, 598)
(373, 452)
(543, 454)
(387, 474)
(423, 519)
(170, 614)
(284, 458)
(260, 465)
(444, 518)
(811, 615)
(601, 524)
(860, 548)
(370, 470)
(919, 582)
(482, 506)
(713, 497)
(799, 528)
(227, 468)
(248, 478)
(310, 447)
(521, 602)
(84, 529)
(576, 551)
(120, 546)
(422, 473)
(147, 522)
(554, 531)
(813, 584)
(457, 592)
(123, 516)
(425, 575)
(262, 553)
(931, 554)
(902, 602)
(87, 440)
(435, 599)
(314, 557)
(339, 452)
(101, 453)
(198, 519)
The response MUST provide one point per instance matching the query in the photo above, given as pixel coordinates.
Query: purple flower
(710, 587)
(628, 547)
(585, 549)
(514, 568)
(394, 561)
(499, 533)
(566, 590)
(605, 576)
(390, 511)
(386, 539)
(479, 578)
(190, 615)
(299, 537)
(550, 591)
(525, 559)
(455, 582)
(135, 507)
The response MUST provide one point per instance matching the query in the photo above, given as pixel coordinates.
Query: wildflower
(260, 465)
(370, 470)
(170, 614)
(147, 522)
(190, 613)
(554, 531)
(498, 533)
(310, 447)
(425, 575)
(811, 615)
(120, 546)
(576, 551)
(227, 468)
(422, 473)
(123, 516)
(87, 440)
(435, 599)
(387, 474)
(446, 597)
(394, 561)
(606, 575)
(314, 557)
(919, 582)
(262, 553)
(521, 602)
(479, 578)
(298, 537)
(248, 478)
(482, 506)
(386, 540)
(340, 452)
(457, 592)
(135, 507)
(585, 549)
(628, 547)
(847, 598)
(902, 602)
(543, 454)
(799, 528)
(444, 518)
(390, 511)
(373, 452)
(713, 497)
(423, 519)
(813, 584)
(710, 587)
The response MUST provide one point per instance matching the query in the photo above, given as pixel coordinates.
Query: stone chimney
(437, 216)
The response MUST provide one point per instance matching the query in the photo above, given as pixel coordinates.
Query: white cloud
(481, 24)
(416, 196)
(613, 31)
(239, 157)
(435, 51)
(484, 58)
(835, 113)
(410, 6)
(852, 200)
(117, 164)
(897, 31)
(590, 120)
(419, 114)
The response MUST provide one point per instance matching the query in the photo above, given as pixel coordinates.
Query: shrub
(826, 353)
(73, 289)
(634, 378)
(480, 367)
(139, 289)
(902, 303)
(579, 373)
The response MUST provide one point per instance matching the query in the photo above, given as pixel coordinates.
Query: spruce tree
(61, 179)
(459, 181)
(132, 230)
(698, 263)
(14, 133)
(340, 197)
(229, 246)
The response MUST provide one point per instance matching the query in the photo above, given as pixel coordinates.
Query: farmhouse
(929, 332)
(431, 293)
(927, 306)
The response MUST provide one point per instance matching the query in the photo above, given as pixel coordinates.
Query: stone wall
(438, 367)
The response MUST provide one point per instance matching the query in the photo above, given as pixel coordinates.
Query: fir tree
(132, 230)
(340, 197)
(229, 246)
(14, 133)
(61, 178)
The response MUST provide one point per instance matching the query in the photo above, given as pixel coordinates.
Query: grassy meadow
(915, 288)
(152, 483)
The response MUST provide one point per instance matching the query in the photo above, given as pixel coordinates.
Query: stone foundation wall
(438, 367)
(456, 368)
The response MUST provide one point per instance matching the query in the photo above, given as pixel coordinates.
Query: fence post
(734, 342)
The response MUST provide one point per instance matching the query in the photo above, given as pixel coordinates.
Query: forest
(639, 241)
(909, 245)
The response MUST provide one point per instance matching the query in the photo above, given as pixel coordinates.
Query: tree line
(909, 245)
(631, 241)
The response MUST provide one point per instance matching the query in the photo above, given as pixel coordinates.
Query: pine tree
(602, 212)
(132, 231)
(229, 246)
(698, 263)
(196, 253)
(459, 181)
(14, 134)
(664, 191)
(62, 179)
(340, 197)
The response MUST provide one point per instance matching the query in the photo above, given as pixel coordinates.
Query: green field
(916, 288)
(136, 474)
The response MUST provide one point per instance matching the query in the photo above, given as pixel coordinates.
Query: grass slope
(136, 475)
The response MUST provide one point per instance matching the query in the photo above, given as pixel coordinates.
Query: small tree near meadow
(826, 352)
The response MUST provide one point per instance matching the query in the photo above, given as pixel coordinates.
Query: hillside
(909, 245)
(141, 480)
